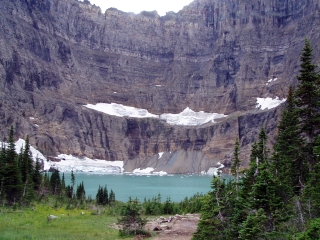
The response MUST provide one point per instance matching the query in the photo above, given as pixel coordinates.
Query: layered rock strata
(212, 56)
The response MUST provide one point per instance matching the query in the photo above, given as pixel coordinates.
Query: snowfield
(68, 163)
(268, 103)
(186, 118)
(190, 118)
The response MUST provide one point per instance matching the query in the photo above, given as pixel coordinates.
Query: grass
(71, 224)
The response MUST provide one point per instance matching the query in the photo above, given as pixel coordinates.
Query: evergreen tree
(102, 196)
(20, 161)
(63, 185)
(215, 211)
(81, 193)
(311, 194)
(55, 182)
(11, 154)
(131, 221)
(12, 183)
(2, 170)
(73, 182)
(249, 174)
(68, 191)
(112, 197)
(307, 97)
(236, 165)
(45, 184)
(287, 161)
(254, 227)
(105, 196)
(262, 150)
(264, 196)
(37, 177)
(168, 206)
(28, 191)
(26, 162)
(312, 232)
(99, 196)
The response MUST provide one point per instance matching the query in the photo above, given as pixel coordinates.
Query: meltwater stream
(177, 187)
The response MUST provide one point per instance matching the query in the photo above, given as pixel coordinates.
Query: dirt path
(180, 228)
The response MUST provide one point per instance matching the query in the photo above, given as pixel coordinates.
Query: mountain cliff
(215, 56)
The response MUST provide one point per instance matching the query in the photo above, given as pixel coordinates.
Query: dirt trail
(180, 228)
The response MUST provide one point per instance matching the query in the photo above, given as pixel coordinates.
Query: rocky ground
(181, 227)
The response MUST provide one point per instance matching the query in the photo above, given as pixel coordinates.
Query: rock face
(213, 56)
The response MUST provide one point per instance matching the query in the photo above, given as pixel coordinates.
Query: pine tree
(26, 163)
(311, 193)
(131, 221)
(215, 211)
(287, 161)
(10, 151)
(81, 193)
(105, 195)
(254, 227)
(112, 197)
(63, 185)
(28, 191)
(249, 175)
(55, 182)
(307, 97)
(262, 150)
(12, 183)
(37, 177)
(168, 206)
(236, 165)
(99, 195)
(264, 196)
(20, 161)
(2, 170)
(102, 196)
(260, 194)
(73, 182)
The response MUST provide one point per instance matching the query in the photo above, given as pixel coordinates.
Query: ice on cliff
(186, 118)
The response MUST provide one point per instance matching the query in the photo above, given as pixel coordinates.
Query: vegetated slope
(212, 56)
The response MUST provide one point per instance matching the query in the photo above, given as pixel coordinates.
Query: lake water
(177, 187)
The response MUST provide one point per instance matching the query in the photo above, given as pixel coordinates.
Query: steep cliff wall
(214, 56)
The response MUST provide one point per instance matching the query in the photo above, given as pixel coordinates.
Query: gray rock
(213, 56)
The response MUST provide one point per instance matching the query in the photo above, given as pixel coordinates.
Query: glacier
(187, 117)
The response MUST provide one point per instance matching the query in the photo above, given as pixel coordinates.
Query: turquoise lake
(177, 187)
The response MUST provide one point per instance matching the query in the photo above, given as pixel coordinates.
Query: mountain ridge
(212, 56)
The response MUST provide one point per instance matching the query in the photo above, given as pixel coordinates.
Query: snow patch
(120, 110)
(268, 103)
(213, 170)
(190, 118)
(145, 171)
(19, 146)
(271, 80)
(83, 164)
(160, 173)
(67, 163)
(186, 118)
(160, 155)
